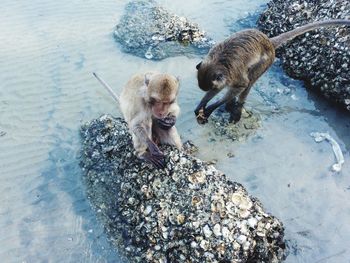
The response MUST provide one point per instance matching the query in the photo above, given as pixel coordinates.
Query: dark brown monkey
(149, 106)
(237, 63)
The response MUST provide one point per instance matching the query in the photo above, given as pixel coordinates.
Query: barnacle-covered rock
(148, 30)
(188, 212)
(321, 57)
(250, 121)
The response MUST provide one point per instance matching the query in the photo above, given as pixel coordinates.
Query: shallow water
(48, 51)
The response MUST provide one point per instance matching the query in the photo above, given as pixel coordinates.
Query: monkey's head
(211, 76)
(162, 90)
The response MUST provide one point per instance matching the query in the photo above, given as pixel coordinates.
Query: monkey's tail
(285, 37)
(104, 84)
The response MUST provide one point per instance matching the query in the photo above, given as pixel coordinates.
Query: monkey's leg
(229, 96)
(235, 107)
(154, 156)
(230, 105)
(209, 110)
(254, 72)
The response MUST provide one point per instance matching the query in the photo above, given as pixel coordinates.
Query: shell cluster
(188, 212)
(321, 57)
(250, 121)
(150, 31)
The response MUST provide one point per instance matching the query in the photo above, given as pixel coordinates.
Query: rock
(188, 212)
(321, 57)
(149, 31)
(240, 131)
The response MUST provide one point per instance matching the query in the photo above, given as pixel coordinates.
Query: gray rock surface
(149, 31)
(188, 212)
(249, 123)
(322, 57)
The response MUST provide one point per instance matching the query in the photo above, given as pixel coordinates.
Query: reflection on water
(48, 51)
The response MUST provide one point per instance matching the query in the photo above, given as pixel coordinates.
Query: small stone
(207, 232)
(180, 219)
(241, 239)
(226, 232)
(194, 244)
(204, 245)
(252, 222)
(157, 247)
(217, 230)
(148, 210)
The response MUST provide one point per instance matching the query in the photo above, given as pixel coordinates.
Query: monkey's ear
(199, 65)
(177, 79)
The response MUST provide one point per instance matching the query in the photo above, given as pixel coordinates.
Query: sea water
(48, 51)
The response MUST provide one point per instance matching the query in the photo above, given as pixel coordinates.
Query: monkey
(237, 62)
(149, 105)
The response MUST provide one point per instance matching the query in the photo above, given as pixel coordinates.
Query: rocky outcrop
(322, 57)
(188, 212)
(149, 31)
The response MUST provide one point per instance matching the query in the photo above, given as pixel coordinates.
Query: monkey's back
(243, 45)
(243, 50)
(131, 97)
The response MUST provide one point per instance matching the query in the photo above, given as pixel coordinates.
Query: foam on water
(49, 50)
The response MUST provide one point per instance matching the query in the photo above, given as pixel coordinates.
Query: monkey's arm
(202, 117)
(154, 155)
(207, 97)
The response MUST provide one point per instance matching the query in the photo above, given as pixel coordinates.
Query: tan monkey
(149, 106)
(237, 63)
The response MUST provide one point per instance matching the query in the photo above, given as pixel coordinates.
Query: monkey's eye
(152, 101)
(218, 77)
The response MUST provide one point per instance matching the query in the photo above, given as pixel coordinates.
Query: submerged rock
(150, 31)
(240, 131)
(188, 212)
(321, 57)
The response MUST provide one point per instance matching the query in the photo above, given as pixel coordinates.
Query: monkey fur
(149, 106)
(237, 62)
(148, 103)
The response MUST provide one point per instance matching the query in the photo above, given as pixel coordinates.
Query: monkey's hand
(154, 156)
(166, 123)
(201, 117)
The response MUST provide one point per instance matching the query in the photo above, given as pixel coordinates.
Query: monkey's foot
(156, 160)
(235, 115)
(235, 110)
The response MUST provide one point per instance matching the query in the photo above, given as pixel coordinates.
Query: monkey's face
(162, 91)
(210, 77)
(160, 108)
